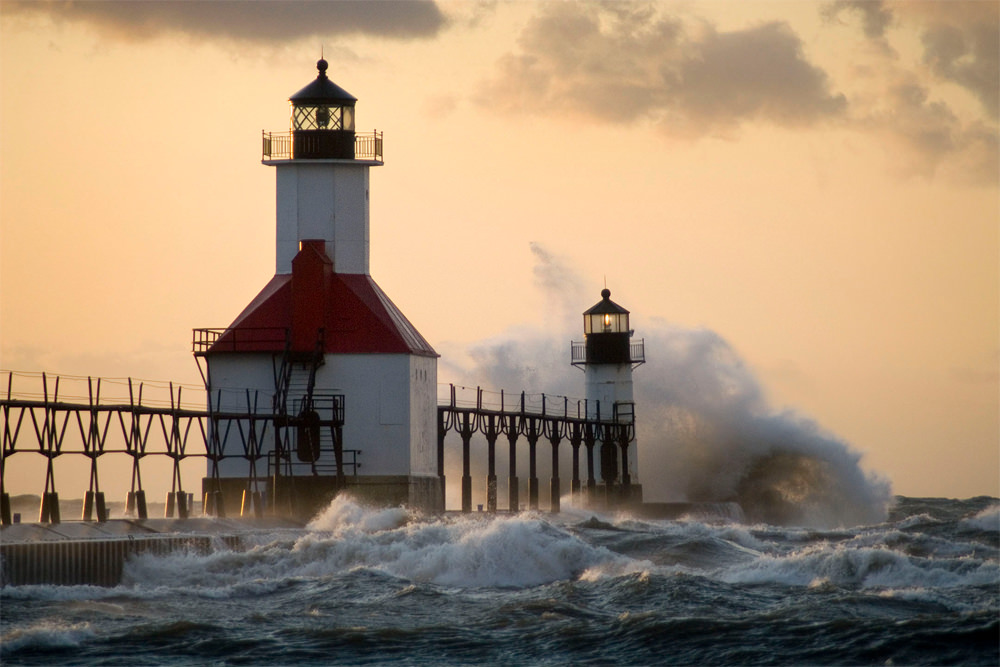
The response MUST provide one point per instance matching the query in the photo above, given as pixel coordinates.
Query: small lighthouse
(349, 383)
(608, 355)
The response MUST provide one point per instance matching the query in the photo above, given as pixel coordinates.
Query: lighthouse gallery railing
(278, 146)
(637, 352)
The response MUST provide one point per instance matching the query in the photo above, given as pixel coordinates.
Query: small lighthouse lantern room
(322, 120)
(607, 330)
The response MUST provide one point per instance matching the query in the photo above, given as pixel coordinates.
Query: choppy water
(383, 587)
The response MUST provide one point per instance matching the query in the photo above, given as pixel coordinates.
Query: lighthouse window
(605, 323)
(322, 117)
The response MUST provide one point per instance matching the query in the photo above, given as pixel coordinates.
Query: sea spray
(473, 551)
(344, 513)
(705, 430)
(708, 429)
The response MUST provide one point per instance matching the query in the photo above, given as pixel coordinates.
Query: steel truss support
(40, 425)
(555, 425)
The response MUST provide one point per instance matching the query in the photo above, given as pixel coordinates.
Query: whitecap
(467, 552)
(46, 635)
(987, 519)
(864, 567)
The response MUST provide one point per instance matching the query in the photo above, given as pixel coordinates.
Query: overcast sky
(813, 183)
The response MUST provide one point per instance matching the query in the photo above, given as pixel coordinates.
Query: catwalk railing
(161, 424)
(468, 411)
(158, 426)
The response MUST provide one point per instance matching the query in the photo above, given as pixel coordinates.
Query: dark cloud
(626, 62)
(961, 43)
(874, 15)
(630, 62)
(968, 56)
(961, 40)
(927, 138)
(961, 46)
(755, 73)
(263, 21)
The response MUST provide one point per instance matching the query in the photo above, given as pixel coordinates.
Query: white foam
(708, 431)
(344, 512)
(524, 550)
(473, 551)
(988, 519)
(46, 635)
(918, 520)
(864, 567)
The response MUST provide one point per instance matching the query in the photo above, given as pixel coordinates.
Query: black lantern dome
(606, 328)
(323, 120)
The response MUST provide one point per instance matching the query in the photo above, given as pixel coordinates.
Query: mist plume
(705, 429)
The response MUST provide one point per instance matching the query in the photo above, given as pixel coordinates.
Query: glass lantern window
(322, 117)
(605, 323)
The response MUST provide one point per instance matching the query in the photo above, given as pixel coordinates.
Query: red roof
(355, 314)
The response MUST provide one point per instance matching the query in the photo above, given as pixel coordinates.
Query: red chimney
(312, 272)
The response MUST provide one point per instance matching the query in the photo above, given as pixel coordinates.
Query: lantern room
(322, 120)
(607, 333)
(606, 317)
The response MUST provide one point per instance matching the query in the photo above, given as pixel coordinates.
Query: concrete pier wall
(91, 562)
(87, 553)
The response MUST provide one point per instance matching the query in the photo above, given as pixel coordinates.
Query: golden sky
(814, 183)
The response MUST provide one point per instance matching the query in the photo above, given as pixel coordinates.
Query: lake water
(364, 586)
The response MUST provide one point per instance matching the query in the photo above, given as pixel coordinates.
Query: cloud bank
(621, 63)
(960, 46)
(960, 40)
(265, 22)
(629, 63)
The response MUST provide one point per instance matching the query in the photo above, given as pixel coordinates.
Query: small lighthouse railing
(636, 348)
(278, 146)
(461, 398)
(637, 351)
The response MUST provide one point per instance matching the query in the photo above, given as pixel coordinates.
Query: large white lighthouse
(608, 355)
(322, 343)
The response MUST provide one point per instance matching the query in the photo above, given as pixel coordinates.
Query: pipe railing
(55, 417)
(279, 146)
(459, 397)
(636, 348)
(243, 339)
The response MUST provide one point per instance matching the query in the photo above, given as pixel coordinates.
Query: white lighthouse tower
(349, 383)
(608, 355)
